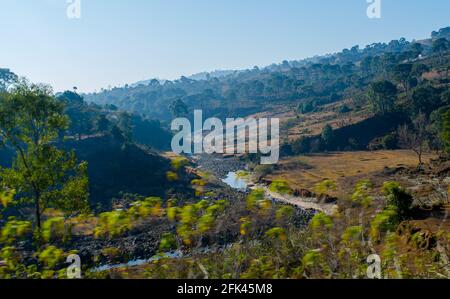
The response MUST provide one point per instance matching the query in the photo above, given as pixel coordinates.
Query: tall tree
(445, 131)
(402, 73)
(416, 49)
(327, 134)
(79, 112)
(440, 46)
(6, 78)
(425, 99)
(31, 119)
(442, 127)
(382, 96)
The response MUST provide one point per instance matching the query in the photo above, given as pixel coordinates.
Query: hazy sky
(123, 41)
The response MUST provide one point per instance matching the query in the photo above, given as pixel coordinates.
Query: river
(235, 181)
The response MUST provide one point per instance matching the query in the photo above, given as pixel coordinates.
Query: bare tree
(415, 137)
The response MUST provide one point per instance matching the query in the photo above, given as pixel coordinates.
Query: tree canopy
(31, 121)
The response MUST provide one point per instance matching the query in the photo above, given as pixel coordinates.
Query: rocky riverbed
(218, 165)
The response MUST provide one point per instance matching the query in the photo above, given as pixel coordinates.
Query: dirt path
(304, 203)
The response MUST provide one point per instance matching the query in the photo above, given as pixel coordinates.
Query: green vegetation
(382, 96)
(280, 186)
(325, 187)
(128, 201)
(30, 122)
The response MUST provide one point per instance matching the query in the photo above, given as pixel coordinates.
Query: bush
(362, 193)
(382, 222)
(15, 231)
(389, 142)
(55, 228)
(168, 242)
(280, 186)
(325, 187)
(398, 200)
(179, 162)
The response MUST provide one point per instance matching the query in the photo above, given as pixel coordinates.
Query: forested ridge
(89, 174)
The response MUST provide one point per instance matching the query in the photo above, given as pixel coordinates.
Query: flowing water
(234, 181)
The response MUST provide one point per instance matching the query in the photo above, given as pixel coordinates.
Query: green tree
(444, 128)
(301, 145)
(402, 73)
(327, 135)
(419, 69)
(398, 200)
(440, 46)
(382, 96)
(6, 78)
(416, 49)
(81, 119)
(31, 119)
(425, 99)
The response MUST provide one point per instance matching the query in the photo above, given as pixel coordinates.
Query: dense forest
(89, 174)
(308, 84)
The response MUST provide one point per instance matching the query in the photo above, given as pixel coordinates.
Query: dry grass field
(341, 167)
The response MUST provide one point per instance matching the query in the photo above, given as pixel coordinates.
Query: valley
(363, 169)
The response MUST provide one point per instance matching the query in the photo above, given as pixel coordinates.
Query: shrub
(168, 242)
(389, 142)
(313, 263)
(383, 222)
(150, 206)
(361, 194)
(325, 186)
(7, 197)
(276, 233)
(112, 224)
(284, 213)
(51, 256)
(254, 198)
(54, 228)
(280, 186)
(15, 230)
(321, 224)
(398, 199)
(179, 162)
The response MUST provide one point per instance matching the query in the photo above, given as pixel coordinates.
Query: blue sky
(123, 41)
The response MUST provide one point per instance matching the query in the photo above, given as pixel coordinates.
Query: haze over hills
(316, 81)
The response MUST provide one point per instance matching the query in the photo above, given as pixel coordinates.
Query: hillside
(364, 171)
(307, 84)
